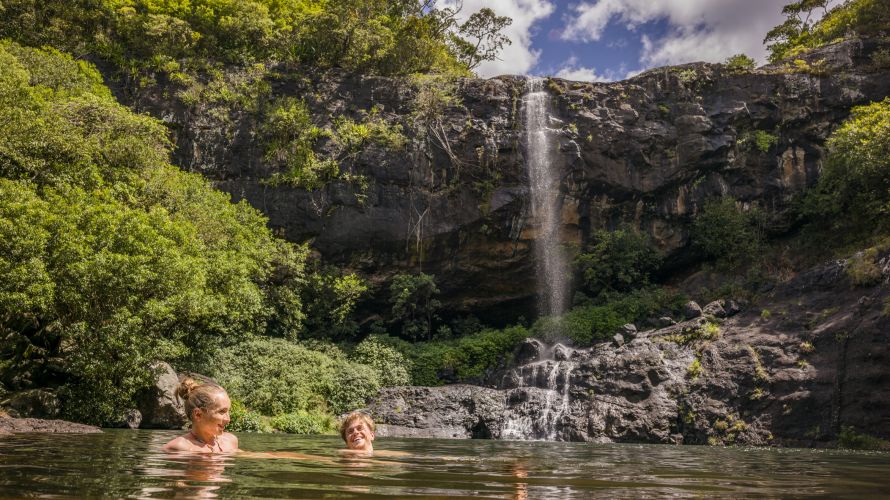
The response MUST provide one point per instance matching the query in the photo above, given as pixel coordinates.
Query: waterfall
(540, 399)
(544, 184)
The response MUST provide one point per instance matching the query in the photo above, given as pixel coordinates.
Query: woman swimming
(207, 407)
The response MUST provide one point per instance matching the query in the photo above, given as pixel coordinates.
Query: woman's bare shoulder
(179, 444)
(230, 440)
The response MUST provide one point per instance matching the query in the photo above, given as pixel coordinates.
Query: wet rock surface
(21, 425)
(797, 377)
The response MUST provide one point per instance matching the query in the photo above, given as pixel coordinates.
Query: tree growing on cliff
(414, 304)
(854, 190)
(799, 32)
(480, 38)
(617, 261)
(728, 232)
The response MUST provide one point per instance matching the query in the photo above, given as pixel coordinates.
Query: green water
(122, 463)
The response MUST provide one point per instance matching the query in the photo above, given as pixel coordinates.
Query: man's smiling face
(359, 436)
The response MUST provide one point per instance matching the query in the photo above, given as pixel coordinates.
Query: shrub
(760, 139)
(694, 370)
(728, 233)
(352, 386)
(392, 367)
(590, 323)
(850, 438)
(303, 422)
(740, 63)
(618, 261)
(695, 333)
(245, 420)
(275, 376)
(414, 304)
(290, 137)
(467, 359)
(854, 189)
(863, 270)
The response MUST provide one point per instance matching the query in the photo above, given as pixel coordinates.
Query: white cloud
(517, 58)
(571, 71)
(698, 30)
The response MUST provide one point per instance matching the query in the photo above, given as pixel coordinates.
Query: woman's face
(359, 436)
(215, 418)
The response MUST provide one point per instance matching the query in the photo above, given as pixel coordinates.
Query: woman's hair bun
(185, 388)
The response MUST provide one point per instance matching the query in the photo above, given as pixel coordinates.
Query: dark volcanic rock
(20, 425)
(818, 364)
(646, 152)
(455, 411)
(158, 406)
(33, 403)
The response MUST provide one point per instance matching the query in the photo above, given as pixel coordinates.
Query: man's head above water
(357, 430)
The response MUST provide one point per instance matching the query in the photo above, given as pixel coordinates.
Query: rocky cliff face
(796, 375)
(646, 151)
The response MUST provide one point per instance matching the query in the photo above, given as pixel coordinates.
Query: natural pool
(121, 463)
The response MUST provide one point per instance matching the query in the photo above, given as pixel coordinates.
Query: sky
(607, 40)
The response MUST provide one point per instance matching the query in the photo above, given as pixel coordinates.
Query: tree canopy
(801, 32)
(110, 257)
(390, 37)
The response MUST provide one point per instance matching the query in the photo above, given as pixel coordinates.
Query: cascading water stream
(542, 403)
(542, 391)
(544, 184)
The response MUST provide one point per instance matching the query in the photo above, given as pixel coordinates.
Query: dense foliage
(800, 32)
(729, 232)
(853, 193)
(414, 304)
(175, 37)
(111, 257)
(278, 377)
(617, 261)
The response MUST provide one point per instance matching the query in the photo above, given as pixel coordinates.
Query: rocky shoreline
(802, 368)
(10, 425)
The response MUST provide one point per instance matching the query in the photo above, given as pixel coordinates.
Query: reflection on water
(122, 463)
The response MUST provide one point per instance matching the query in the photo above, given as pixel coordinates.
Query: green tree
(479, 38)
(799, 32)
(727, 232)
(112, 258)
(392, 367)
(740, 63)
(414, 304)
(854, 190)
(618, 261)
(330, 297)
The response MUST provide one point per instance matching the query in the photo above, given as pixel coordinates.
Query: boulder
(715, 309)
(618, 340)
(23, 425)
(562, 353)
(628, 330)
(529, 350)
(131, 419)
(34, 403)
(665, 321)
(159, 406)
(691, 310)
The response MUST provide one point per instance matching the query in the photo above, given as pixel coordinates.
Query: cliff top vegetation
(177, 37)
(799, 33)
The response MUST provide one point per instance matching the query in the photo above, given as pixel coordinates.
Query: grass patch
(850, 438)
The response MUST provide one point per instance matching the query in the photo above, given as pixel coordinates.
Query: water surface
(123, 463)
